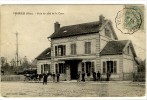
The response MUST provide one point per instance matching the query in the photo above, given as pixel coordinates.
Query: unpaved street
(72, 89)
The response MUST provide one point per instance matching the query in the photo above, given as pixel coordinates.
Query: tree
(25, 64)
(2, 61)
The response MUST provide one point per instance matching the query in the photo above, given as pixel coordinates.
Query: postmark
(128, 20)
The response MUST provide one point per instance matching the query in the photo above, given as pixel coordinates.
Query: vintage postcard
(73, 50)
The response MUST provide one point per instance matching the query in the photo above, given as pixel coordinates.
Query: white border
(73, 2)
(77, 2)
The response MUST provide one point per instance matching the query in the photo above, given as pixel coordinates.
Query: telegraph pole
(17, 49)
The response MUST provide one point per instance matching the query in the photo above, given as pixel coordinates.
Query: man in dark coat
(88, 76)
(98, 76)
(83, 76)
(108, 75)
(53, 76)
(78, 76)
(45, 76)
(94, 76)
(58, 76)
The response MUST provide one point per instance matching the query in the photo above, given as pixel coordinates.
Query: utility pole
(17, 49)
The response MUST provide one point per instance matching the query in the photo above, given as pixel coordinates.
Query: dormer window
(107, 33)
(64, 31)
(48, 53)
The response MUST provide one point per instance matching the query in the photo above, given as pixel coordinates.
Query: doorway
(73, 70)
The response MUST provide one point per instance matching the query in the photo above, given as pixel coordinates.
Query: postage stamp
(130, 19)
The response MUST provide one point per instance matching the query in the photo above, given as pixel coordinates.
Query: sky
(36, 22)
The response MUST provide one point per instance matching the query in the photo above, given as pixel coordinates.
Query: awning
(70, 59)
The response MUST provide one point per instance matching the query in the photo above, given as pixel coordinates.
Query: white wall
(80, 42)
(41, 62)
(128, 63)
(104, 39)
(111, 58)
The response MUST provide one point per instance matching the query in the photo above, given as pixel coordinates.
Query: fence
(12, 78)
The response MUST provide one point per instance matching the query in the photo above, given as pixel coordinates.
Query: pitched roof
(114, 47)
(78, 29)
(46, 54)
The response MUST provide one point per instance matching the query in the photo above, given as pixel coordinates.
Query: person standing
(78, 76)
(45, 76)
(83, 76)
(94, 76)
(108, 75)
(58, 76)
(98, 76)
(88, 76)
(53, 76)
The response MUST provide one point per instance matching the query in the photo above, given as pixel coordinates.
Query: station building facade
(87, 47)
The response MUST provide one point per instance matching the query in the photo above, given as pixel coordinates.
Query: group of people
(96, 76)
(54, 76)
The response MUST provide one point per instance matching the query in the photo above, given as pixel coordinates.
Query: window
(88, 67)
(61, 68)
(56, 50)
(56, 65)
(73, 49)
(115, 67)
(42, 69)
(110, 66)
(47, 68)
(60, 50)
(92, 67)
(64, 49)
(107, 32)
(104, 67)
(87, 47)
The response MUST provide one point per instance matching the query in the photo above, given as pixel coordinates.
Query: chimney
(101, 18)
(56, 26)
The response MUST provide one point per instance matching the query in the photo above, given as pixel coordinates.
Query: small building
(44, 62)
(88, 47)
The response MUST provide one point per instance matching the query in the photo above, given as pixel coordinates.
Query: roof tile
(114, 47)
(46, 54)
(78, 29)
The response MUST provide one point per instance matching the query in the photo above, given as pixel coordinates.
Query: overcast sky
(34, 29)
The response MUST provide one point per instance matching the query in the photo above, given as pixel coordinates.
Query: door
(73, 69)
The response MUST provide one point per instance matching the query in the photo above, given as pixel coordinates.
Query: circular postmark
(128, 20)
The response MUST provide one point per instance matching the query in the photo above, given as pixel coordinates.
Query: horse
(2, 72)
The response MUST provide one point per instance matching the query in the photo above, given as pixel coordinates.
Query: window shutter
(64, 50)
(115, 67)
(85, 47)
(71, 48)
(89, 47)
(56, 51)
(75, 49)
(104, 67)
